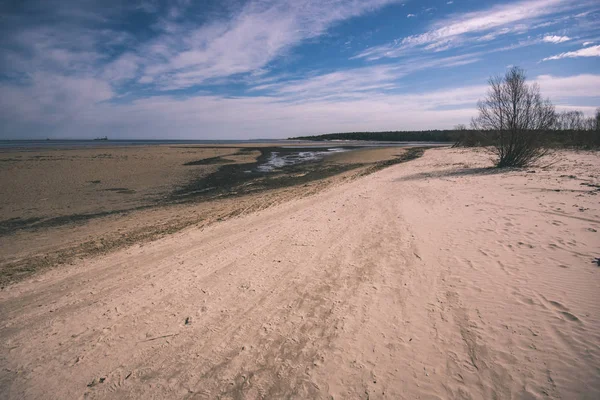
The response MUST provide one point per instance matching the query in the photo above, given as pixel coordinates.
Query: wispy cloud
(262, 117)
(476, 22)
(53, 99)
(593, 51)
(555, 39)
(474, 26)
(184, 50)
(238, 68)
(296, 110)
(249, 40)
(354, 82)
(559, 88)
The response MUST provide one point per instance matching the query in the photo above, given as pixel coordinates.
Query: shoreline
(223, 190)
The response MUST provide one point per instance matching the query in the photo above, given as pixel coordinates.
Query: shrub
(516, 117)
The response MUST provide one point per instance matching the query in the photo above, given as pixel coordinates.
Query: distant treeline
(391, 136)
(578, 138)
(570, 129)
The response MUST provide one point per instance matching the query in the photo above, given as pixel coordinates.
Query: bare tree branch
(515, 113)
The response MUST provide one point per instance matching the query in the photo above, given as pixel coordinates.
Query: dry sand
(432, 279)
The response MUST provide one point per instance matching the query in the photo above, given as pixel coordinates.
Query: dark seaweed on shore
(240, 179)
(209, 161)
(9, 225)
(228, 181)
(295, 175)
(14, 224)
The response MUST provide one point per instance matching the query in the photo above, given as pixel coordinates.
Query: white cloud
(47, 49)
(480, 25)
(593, 51)
(355, 82)
(51, 99)
(342, 83)
(69, 75)
(494, 34)
(482, 21)
(587, 43)
(183, 54)
(256, 35)
(306, 108)
(557, 88)
(125, 67)
(260, 117)
(410, 15)
(555, 39)
(588, 111)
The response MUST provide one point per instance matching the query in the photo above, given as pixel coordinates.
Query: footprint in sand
(563, 310)
(570, 316)
(557, 305)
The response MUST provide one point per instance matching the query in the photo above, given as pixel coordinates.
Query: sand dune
(433, 279)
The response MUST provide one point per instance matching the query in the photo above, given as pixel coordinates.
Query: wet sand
(60, 182)
(60, 204)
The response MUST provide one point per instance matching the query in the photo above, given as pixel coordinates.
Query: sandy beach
(61, 204)
(436, 278)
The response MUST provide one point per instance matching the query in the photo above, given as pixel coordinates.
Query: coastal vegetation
(513, 120)
(516, 116)
(435, 135)
(570, 130)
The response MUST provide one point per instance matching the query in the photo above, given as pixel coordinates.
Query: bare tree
(570, 121)
(596, 126)
(515, 113)
(590, 124)
(577, 130)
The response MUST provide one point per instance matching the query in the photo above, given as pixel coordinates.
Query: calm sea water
(277, 160)
(35, 144)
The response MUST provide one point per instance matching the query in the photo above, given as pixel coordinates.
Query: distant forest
(569, 129)
(580, 138)
(391, 136)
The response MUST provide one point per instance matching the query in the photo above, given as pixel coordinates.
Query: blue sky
(235, 69)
